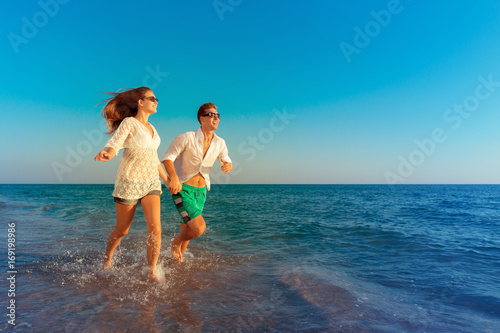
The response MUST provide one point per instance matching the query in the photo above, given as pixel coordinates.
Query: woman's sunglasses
(152, 99)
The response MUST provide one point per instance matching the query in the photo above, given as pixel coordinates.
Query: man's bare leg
(194, 228)
(184, 244)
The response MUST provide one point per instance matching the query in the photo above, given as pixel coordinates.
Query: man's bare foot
(176, 249)
(183, 246)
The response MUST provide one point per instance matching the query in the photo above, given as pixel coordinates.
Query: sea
(274, 258)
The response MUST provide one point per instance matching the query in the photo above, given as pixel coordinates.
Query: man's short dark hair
(203, 108)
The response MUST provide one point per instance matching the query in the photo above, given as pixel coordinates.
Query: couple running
(187, 161)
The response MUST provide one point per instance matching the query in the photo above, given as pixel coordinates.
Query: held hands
(175, 185)
(103, 156)
(226, 166)
(167, 182)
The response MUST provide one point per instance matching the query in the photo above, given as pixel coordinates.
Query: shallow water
(285, 258)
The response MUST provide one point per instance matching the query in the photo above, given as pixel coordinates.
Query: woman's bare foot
(106, 264)
(153, 277)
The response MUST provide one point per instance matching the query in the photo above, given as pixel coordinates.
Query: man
(194, 154)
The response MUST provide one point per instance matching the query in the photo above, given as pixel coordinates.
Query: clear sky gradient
(334, 92)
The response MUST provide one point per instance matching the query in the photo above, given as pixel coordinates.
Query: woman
(137, 179)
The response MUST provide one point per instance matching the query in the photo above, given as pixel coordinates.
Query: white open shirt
(186, 151)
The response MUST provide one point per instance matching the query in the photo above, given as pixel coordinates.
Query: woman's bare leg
(124, 217)
(151, 206)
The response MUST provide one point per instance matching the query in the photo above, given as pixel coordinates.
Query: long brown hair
(122, 105)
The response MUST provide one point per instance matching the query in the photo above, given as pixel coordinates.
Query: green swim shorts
(190, 201)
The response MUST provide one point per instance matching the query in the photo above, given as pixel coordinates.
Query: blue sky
(371, 92)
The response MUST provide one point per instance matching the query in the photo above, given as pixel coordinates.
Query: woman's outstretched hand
(103, 156)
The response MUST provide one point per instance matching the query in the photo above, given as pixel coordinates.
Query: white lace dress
(138, 172)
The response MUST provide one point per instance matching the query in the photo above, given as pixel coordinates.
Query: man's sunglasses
(151, 98)
(212, 115)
